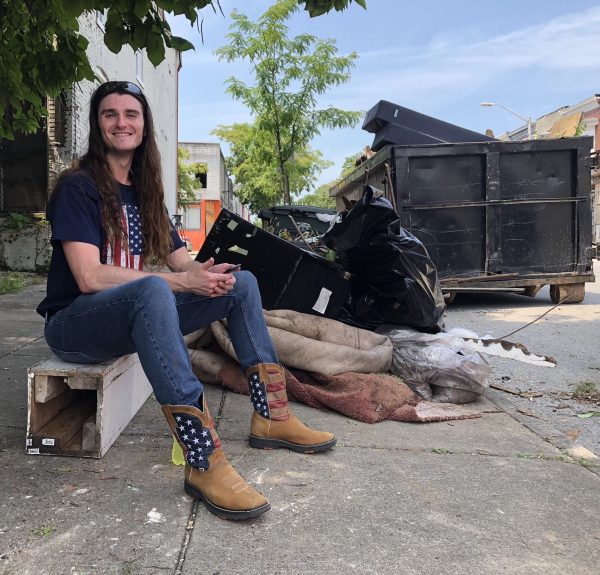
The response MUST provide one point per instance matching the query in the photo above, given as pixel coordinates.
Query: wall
(199, 218)
(160, 86)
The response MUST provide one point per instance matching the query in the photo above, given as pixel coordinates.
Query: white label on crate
(322, 301)
(232, 225)
(48, 441)
(35, 451)
(28, 442)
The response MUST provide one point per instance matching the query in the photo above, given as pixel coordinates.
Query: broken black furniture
(311, 218)
(288, 276)
(493, 215)
(394, 124)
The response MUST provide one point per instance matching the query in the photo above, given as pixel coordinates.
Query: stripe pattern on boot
(199, 441)
(267, 391)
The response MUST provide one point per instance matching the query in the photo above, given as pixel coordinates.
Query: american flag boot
(208, 474)
(273, 425)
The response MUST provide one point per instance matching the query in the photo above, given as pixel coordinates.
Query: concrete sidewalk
(481, 496)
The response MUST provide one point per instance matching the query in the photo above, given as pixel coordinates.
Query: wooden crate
(80, 410)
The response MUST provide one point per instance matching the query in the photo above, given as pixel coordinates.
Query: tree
(42, 51)
(256, 176)
(188, 178)
(320, 197)
(289, 74)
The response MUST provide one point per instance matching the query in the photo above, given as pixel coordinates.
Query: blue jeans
(146, 317)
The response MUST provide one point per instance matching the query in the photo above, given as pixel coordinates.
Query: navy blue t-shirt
(74, 212)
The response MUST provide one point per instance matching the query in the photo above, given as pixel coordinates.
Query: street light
(527, 120)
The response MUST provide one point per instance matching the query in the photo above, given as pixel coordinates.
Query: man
(108, 218)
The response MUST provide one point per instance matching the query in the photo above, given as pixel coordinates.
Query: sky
(438, 57)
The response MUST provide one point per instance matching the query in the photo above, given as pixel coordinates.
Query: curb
(544, 430)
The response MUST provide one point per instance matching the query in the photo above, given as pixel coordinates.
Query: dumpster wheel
(567, 293)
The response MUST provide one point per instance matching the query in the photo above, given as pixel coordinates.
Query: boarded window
(24, 173)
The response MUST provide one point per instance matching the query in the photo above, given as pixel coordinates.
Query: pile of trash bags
(393, 278)
(438, 367)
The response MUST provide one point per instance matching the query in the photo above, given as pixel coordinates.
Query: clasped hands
(210, 279)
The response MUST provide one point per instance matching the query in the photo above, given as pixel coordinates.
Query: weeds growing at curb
(14, 281)
(587, 463)
(43, 531)
(586, 391)
(11, 283)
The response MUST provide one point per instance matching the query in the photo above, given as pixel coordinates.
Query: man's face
(121, 120)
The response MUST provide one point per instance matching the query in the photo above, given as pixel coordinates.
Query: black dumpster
(493, 215)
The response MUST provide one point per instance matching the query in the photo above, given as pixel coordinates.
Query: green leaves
(115, 37)
(181, 44)
(289, 74)
(320, 7)
(141, 8)
(588, 414)
(42, 50)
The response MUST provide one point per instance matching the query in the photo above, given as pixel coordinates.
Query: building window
(193, 218)
(201, 178)
(139, 67)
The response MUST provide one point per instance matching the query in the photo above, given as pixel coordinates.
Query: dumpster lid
(395, 124)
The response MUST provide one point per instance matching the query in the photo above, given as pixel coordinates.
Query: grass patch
(587, 463)
(544, 457)
(43, 531)
(586, 391)
(11, 283)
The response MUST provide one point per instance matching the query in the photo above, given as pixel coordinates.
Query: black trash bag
(394, 280)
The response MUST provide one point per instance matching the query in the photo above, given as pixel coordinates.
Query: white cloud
(438, 71)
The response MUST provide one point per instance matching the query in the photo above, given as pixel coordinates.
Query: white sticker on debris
(238, 250)
(232, 225)
(47, 441)
(322, 301)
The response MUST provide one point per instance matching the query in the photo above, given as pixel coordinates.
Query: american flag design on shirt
(130, 254)
(197, 439)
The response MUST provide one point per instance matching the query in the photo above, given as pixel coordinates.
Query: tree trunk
(286, 190)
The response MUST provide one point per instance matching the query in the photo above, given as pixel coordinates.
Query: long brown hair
(146, 176)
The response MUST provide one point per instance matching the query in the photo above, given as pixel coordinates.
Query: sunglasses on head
(120, 87)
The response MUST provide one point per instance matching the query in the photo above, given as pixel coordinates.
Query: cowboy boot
(208, 474)
(273, 425)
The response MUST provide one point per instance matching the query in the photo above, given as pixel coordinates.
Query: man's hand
(208, 279)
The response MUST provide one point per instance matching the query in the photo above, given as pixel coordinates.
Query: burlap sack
(319, 345)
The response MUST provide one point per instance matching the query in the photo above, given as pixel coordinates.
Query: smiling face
(121, 121)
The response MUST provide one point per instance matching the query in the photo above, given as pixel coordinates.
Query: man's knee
(153, 288)
(245, 283)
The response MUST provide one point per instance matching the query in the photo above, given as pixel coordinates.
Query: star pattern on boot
(196, 438)
(258, 395)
